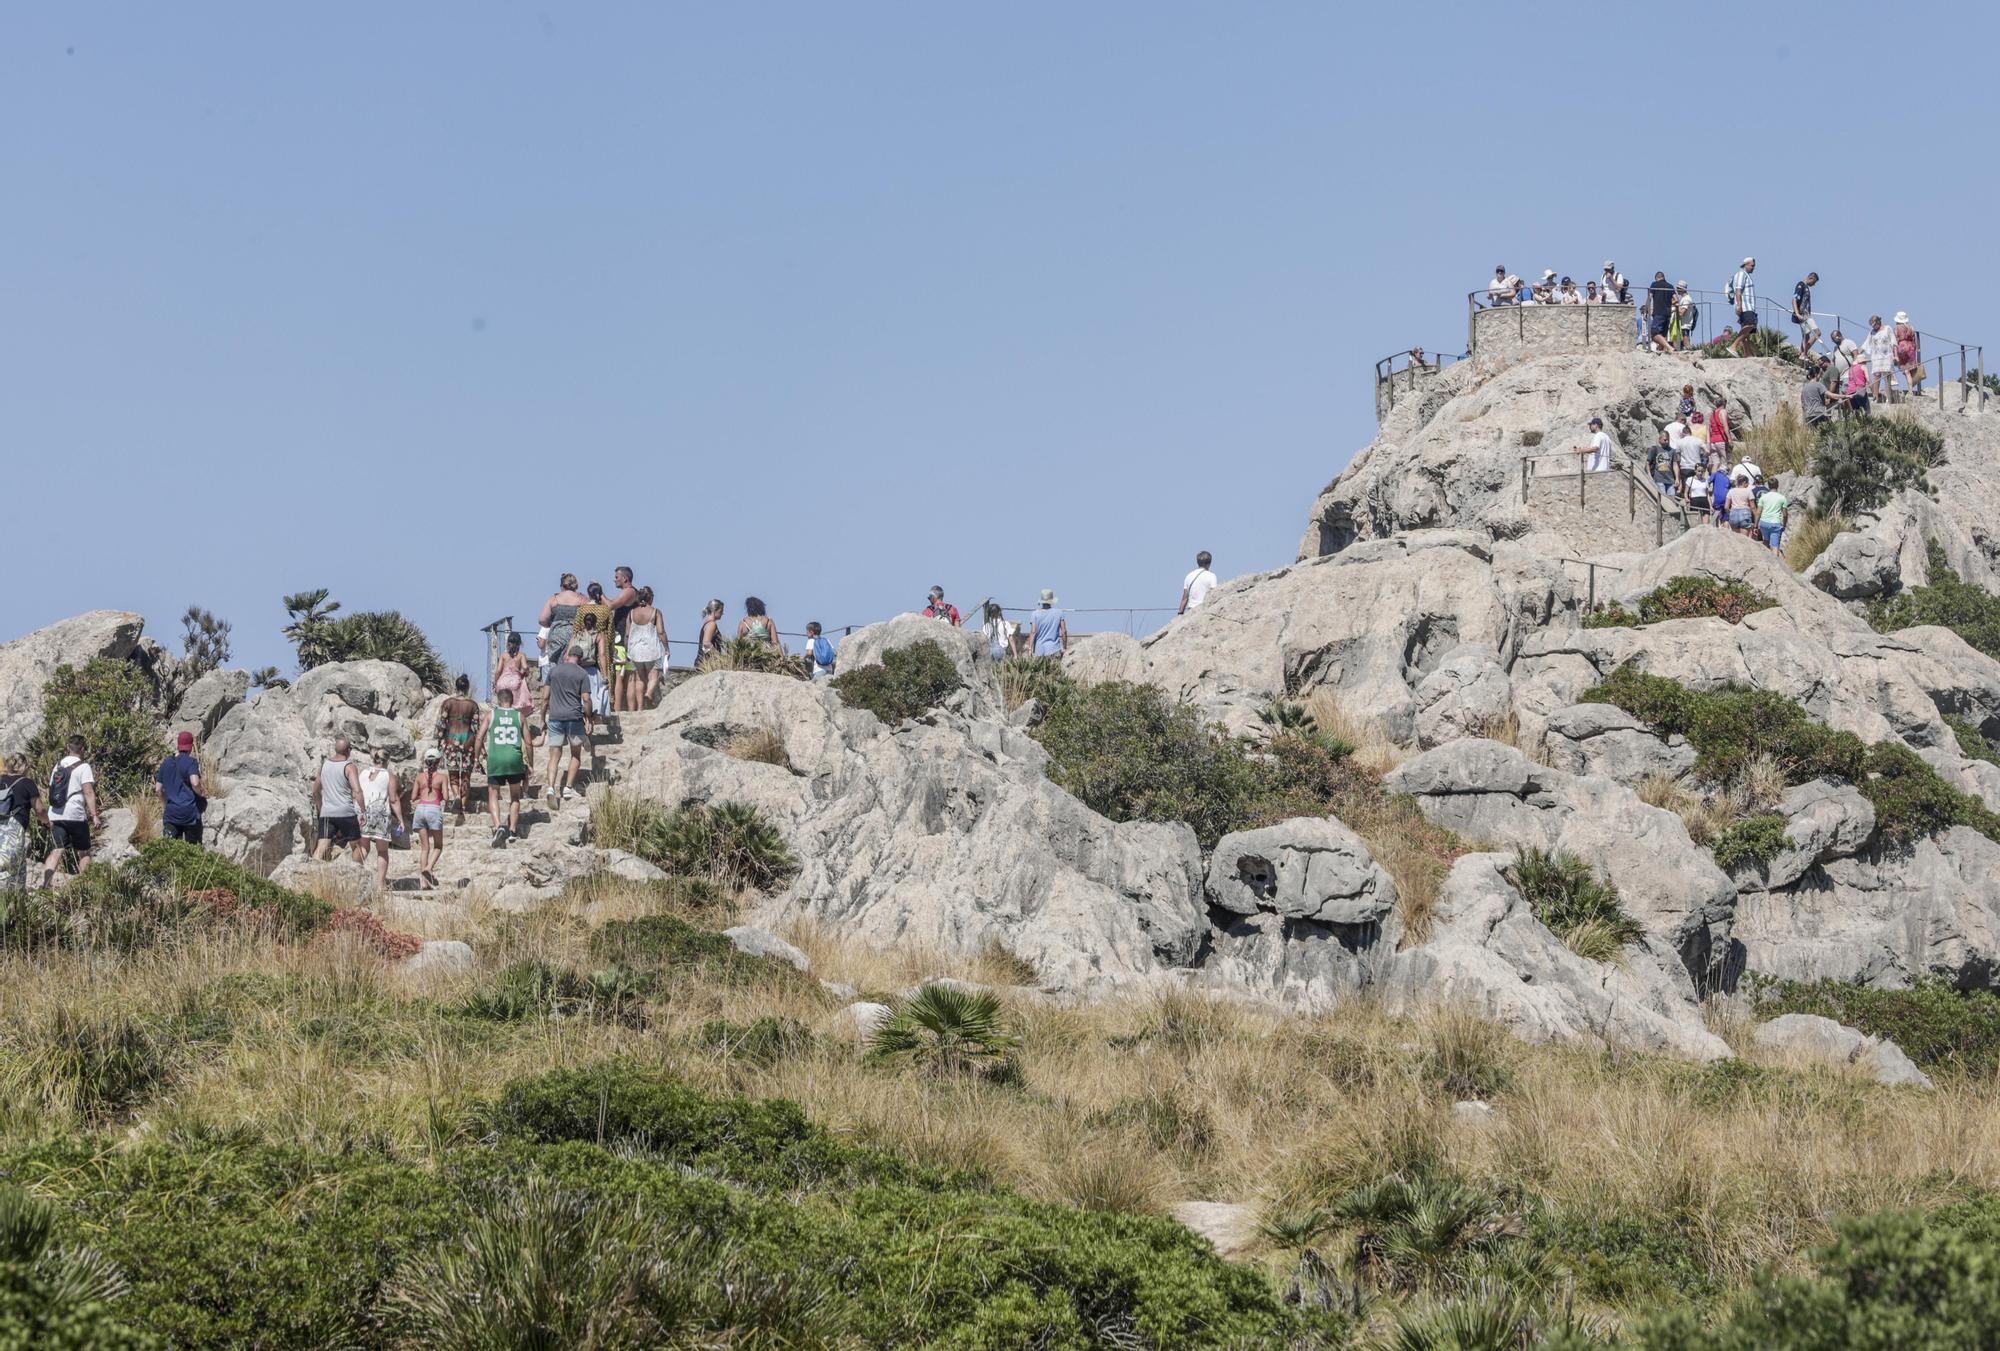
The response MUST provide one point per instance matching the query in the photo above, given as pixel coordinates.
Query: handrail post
(1524, 480)
(1590, 604)
(1581, 464)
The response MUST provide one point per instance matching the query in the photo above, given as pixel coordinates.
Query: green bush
(1685, 598)
(946, 1033)
(1126, 752)
(1972, 612)
(1972, 743)
(1944, 1030)
(1863, 462)
(55, 1296)
(169, 887)
(1889, 1282)
(1576, 905)
(723, 842)
(1728, 726)
(910, 682)
(1753, 840)
(764, 1041)
(366, 635)
(664, 943)
(1025, 678)
(110, 705)
(531, 990)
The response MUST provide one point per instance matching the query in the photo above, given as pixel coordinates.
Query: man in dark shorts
(179, 784)
(335, 792)
(569, 703)
(1802, 313)
(503, 735)
(72, 812)
(458, 719)
(1743, 298)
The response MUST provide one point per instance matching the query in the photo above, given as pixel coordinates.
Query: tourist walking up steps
(1772, 510)
(503, 738)
(380, 805)
(1197, 584)
(645, 648)
(178, 782)
(558, 621)
(512, 674)
(458, 719)
(336, 789)
(18, 795)
(1659, 313)
(427, 796)
(1048, 628)
(623, 600)
(72, 812)
(569, 703)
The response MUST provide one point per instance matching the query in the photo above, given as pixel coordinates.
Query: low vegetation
(1862, 462)
(111, 706)
(1972, 743)
(729, 843)
(749, 654)
(1808, 537)
(1781, 443)
(908, 683)
(1945, 1030)
(1580, 908)
(1948, 601)
(319, 637)
(1685, 598)
(1731, 727)
(1751, 841)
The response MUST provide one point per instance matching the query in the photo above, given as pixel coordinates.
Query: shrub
(766, 1041)
(1809, 537)
(1025, 678)
(1781, 443)
(910, 682)
(662, 942)
(110, 705)
(947, 1032)
(1863, 462)
(55, 1296)
(1126, 752)
(1577, 906)
(365, 635)
(747, 654)
(1685, 598)
(533, 989)
(727, 842)
(1753, 840)
(1941, 1028)
(1972, 743)
(1970, 611)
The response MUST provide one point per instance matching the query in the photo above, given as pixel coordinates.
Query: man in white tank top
(335, 791)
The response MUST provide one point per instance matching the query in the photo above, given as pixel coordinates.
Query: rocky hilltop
(1439, 603)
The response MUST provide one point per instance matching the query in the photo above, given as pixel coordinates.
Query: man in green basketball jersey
(503, 732)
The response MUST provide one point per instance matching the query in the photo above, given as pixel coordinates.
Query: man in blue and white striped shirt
(1743, 296)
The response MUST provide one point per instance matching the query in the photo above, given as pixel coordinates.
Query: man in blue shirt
(1049, 629)
(179, 782)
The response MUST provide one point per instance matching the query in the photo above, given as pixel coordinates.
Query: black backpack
(59, 787)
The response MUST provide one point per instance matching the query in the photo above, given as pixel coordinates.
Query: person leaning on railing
(1597, 455)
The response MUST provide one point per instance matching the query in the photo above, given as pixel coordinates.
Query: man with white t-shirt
(1597, 455)
(72, 812)
(1198, 583)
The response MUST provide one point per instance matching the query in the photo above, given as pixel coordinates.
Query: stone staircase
(1600, 514)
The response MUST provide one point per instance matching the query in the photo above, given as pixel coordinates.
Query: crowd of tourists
(1695, 461)
(596, 654)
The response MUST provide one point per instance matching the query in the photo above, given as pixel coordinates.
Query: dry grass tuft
(1781, 442)
(1810, 538)
(764, 745)
(212, 784)
(1373, 748)
(147, 810)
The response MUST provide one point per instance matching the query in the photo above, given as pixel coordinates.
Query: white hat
(1608, 264)
(1748, 261)
(1048, 596)
(1902, 316)
(1680, 286)
(1548, 273)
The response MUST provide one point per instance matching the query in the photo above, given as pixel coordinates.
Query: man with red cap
(179, 783)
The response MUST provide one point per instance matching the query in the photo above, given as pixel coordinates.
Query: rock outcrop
(1823, 1041)
(27, 663)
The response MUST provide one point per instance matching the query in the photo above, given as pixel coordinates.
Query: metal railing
(1387, 373)
(1636, 488)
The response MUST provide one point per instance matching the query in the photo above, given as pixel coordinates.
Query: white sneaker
(570, 794)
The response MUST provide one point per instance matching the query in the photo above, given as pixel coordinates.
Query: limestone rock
(944, 832)
(757, 942)
(859, 1020)
(1605, 740)
(631, 868)
(1857, 567)
(1487, 791)
(967, 649)
(438, 957)
(383, 688)
(1826, 1042)
(258, 822)
(207, 700)
(1308, 868)
(521, 897)
(1232, 1228)
(1823, 821)
(1467, 695)
(1488, 953)
(1473, 1112)
(27, 663)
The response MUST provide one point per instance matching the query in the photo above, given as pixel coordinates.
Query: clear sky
(429, 303)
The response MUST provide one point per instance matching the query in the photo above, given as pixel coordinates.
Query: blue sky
(430, 303)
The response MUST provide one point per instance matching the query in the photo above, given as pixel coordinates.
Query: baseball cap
(1596, 422)
(432, 754)
(185, 741)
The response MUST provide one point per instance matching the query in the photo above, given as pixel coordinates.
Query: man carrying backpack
(179, 782)
(820, 651)
(940, 608)
(72, 812)
(18, 795)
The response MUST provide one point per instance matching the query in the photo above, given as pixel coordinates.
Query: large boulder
(1489, 954)
(1490, 792)
(1369, 625)
(1857, 567)
(1308, 868)
(943, 832)
(1605, 740)
(27, 663)
(208, 700)
(1468, 694)
(1822, 1041)
(968, 651)
(1824, 821)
